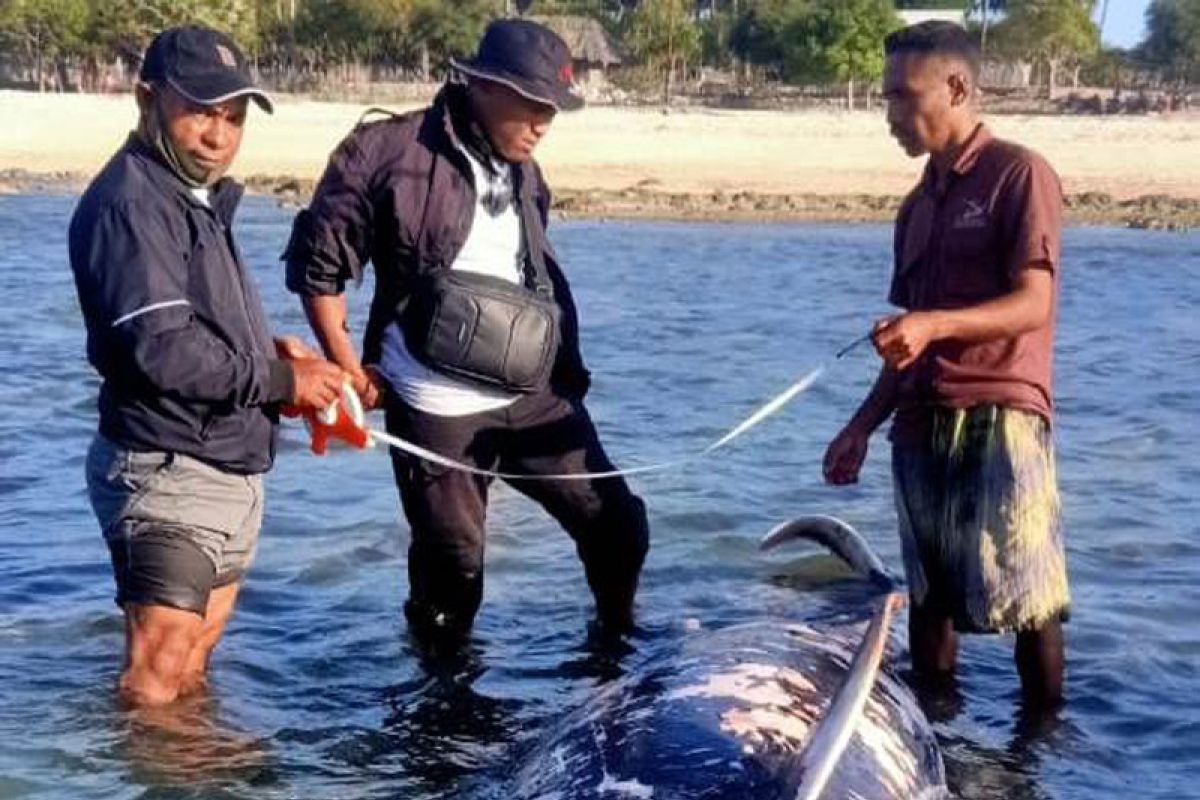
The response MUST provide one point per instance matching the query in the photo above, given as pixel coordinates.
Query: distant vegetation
(68, 44)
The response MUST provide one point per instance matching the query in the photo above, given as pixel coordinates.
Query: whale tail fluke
(839, 538)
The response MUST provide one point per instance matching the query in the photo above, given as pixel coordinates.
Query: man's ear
(144, 94)
(147, 124)
(961, 87)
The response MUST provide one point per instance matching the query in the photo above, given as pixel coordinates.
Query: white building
(915, 16)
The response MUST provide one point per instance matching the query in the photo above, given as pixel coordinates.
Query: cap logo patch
(226, 57)
(566, 74)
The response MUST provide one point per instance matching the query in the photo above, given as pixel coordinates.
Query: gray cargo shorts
(176, 528)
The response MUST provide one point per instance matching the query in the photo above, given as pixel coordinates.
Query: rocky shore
(648, 200)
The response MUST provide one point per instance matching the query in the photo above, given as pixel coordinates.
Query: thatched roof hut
(591, 46)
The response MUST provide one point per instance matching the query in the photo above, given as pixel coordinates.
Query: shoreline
(646, 200)
(687, 164)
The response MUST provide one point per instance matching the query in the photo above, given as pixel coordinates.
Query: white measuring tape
(353, 408)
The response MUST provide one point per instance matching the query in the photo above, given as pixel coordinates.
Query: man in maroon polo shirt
(967, 372)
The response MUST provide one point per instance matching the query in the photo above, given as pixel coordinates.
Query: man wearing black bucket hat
(192, 381)
(472, 338)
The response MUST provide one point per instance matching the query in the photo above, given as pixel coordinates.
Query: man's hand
(369, 385)
(317, 383)
(844, 457)
(365, 381)
(901, 340)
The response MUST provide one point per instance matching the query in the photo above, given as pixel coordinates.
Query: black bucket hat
(203, 65)
(528, 58)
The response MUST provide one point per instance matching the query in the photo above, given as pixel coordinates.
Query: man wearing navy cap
(192, 381)
(451, 209)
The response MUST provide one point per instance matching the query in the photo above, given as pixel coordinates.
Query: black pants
(446, 508)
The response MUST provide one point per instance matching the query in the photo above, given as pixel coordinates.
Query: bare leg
(216, 616)
(1039, 657)
(158, 641)
(933, 642)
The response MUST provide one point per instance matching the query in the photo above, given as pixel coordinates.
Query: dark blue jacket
(175, 326)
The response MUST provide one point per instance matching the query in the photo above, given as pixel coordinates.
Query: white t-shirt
(493, 247)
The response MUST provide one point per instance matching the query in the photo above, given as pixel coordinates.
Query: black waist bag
(485, 329)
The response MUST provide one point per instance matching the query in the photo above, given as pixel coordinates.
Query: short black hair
(935, 38)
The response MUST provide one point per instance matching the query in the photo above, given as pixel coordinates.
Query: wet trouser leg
(549, 435)
(446, 511)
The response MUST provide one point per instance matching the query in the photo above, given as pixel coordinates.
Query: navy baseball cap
(203, 65)
(528, 58)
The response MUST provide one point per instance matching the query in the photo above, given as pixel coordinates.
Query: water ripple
(317, 691)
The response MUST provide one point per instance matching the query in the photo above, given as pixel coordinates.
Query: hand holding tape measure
(344, 420)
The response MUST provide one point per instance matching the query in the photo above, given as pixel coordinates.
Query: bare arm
(878, 405)
(1026, 308)
(845, 455)
(328, 319)
(901, 340)
(330, 244)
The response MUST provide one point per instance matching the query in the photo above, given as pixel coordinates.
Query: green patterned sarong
(980, 522)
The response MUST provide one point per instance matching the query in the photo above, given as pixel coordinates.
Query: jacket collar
(224, 195)
(464, 130)
(440, 122)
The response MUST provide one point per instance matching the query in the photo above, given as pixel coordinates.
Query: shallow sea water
(317, 691)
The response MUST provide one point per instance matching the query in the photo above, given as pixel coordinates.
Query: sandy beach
(692, 163)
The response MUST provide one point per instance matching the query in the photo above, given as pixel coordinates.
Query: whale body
(773, 708)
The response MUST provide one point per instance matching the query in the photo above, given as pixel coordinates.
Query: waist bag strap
(487, 330)
(533, 258)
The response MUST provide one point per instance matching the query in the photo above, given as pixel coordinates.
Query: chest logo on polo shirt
(972, 217)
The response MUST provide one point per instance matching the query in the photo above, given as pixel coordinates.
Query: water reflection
(186, 745)
(441, 726)
(976, 769)
(940, 697)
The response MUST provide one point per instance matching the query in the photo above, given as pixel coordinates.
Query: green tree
(817, 41)
(590, 8)
(716, 21)
(48, 31)
(839, 42)
(127, 26)
(1173, 38)
(1053, 33)
(442, 29)
(1107, 68)
(664, 35)
(943, 4)
(347, 30)
(759, 31)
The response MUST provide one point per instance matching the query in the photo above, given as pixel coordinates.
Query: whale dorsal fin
(832, 734)
(841, 539)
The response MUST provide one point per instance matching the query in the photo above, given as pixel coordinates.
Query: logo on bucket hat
(203, 65)
(530, 59)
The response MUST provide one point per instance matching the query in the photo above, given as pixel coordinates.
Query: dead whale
(768, 709)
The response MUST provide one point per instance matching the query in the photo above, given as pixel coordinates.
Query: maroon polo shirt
(961, 239)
